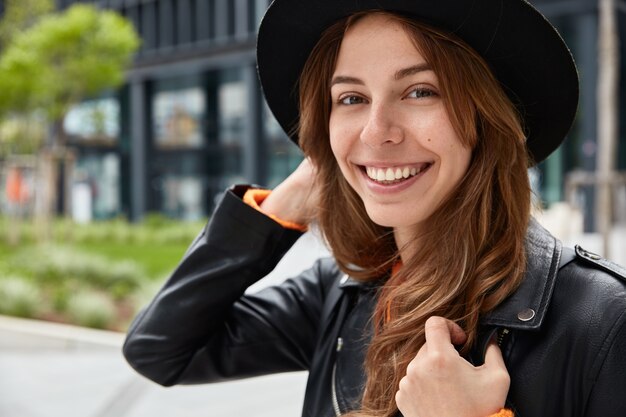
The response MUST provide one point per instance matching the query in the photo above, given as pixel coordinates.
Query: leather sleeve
(200, 327)
(608, 394)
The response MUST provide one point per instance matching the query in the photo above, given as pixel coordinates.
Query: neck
(406, 242)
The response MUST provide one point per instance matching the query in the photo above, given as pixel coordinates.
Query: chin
(385, 217)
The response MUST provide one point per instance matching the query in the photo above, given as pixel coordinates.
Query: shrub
(19, 297)
(60, 266)
(95, 275)
(91, 309)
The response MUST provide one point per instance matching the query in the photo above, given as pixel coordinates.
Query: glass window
(96, 121)
(185, 21)
(132, 13)
(232, 100)
(149, 33)
(178, 118)
(221, 18)
(96, 187)
(205, 26)
(284, 156)
(256, 10)
(182, 197)
(166, 20)
(177, 183)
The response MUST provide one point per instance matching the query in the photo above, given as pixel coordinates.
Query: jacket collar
(526, 308)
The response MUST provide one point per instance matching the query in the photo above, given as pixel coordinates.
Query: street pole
(608, 83)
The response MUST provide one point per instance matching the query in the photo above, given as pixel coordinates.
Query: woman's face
(389, 129)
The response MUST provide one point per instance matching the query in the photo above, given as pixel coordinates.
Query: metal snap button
(587, 254)
(526, 315)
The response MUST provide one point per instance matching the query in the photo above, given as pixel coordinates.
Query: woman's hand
(296, 198)
(439, 382)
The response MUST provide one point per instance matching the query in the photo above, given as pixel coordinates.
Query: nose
(381, 127)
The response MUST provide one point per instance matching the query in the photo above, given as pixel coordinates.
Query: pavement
(49, 370)
(54, 370)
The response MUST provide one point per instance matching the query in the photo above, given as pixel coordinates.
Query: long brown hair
(471, 254)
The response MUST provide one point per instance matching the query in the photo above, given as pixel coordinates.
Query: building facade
(578, 23)
(191, 118)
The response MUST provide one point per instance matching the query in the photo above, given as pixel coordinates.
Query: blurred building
(578, 23)
(191, 118)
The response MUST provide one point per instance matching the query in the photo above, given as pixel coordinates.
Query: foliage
(95, 275)
(19, 297)
(65, 57)
(21, 134)
(159, 230)
(91, 309)
(19, 15)
(57, 266)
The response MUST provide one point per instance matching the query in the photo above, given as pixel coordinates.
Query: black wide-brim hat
(525, 52)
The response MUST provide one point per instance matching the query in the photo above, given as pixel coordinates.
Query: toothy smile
(394, 174)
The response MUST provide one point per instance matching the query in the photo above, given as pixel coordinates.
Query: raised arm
(195, 327)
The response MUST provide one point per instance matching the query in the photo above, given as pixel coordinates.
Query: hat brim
(525, 52)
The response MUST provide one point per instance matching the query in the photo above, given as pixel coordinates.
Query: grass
(94, 275)
(157, 260)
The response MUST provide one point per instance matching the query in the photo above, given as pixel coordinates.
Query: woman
(443, 298)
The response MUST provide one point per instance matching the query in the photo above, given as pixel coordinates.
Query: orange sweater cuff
(503, 413)
(254, 197)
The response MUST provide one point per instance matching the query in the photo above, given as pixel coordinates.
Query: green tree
(19, 15)
(64, 58)
(57, 61)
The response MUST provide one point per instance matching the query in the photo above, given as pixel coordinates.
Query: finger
(493, 356)
(442, 333)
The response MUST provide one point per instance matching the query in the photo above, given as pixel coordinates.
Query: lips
(392, 175)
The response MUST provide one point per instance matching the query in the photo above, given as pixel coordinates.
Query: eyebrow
(340, 79)
(400, 74)
(411, 70)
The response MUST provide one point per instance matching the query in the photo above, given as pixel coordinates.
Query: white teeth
(391, 174)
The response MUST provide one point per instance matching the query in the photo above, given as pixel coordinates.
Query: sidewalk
(52, 370)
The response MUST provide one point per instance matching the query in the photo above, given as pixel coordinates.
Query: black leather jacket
(563, 333)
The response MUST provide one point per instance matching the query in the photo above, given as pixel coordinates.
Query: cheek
(338, 144)
(465, 158)
(460, 163)
(455, 160)
(335, 148)
(340, 147)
